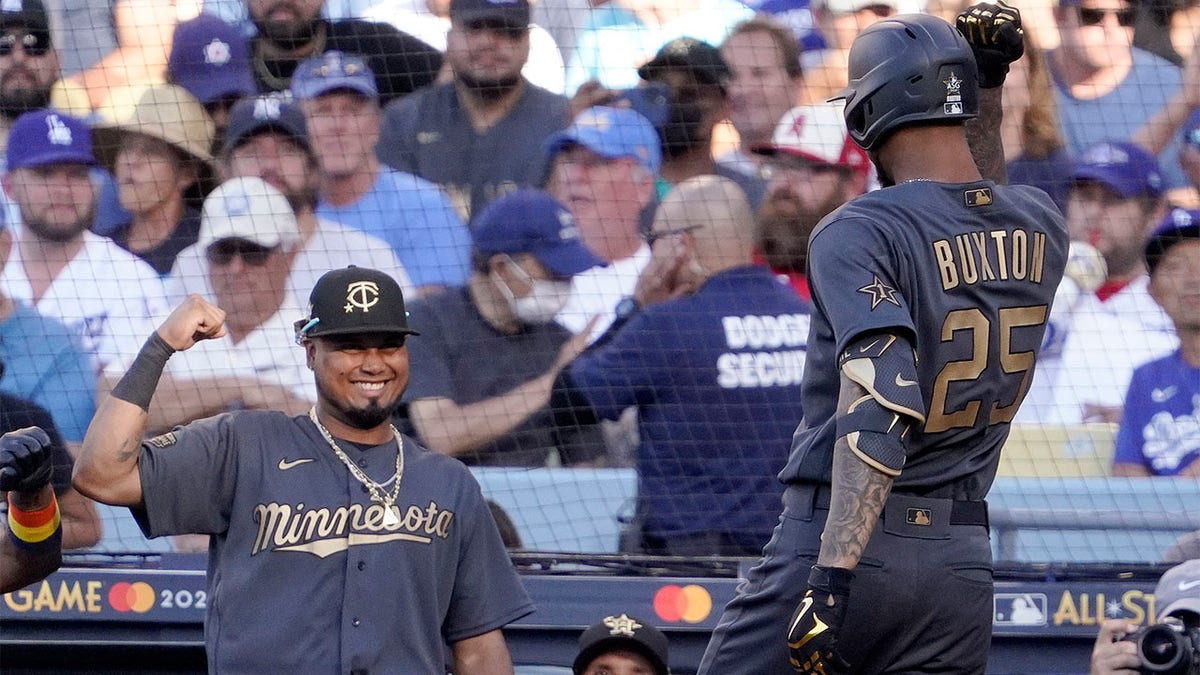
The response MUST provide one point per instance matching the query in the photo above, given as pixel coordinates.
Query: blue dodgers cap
(333, 71)
(531, 221)
(1178, 225)
(41, 137)
(613, 133)
(210, 59)
(1124, 167)
(269, 112)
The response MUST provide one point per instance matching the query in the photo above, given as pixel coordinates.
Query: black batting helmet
(905, 69)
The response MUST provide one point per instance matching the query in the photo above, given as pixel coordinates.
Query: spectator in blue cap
(482, 373)
(1115, 200)
(603, 168)
(211, 60)
(1158, 435)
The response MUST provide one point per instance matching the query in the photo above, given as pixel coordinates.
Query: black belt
(962, 511)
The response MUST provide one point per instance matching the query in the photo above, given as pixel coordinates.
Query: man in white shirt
(106, 294)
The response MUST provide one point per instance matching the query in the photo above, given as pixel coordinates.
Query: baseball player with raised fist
(33, 547)
(930, 298)
(330, 532)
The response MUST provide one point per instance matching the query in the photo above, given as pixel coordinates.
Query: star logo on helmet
(880, 293)
(621, 625)
(953, 83)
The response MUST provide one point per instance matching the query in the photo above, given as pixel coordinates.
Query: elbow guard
(876, 426)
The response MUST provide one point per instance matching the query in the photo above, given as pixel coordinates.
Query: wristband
(138, 384)
(35, 530)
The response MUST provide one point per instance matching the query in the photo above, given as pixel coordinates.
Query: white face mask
(544, 301)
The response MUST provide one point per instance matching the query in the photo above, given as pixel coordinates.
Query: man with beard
(290, 31)
(814, 167)
(101, 291)
(28, 62)
(481, 134)
(267, 139)
(406, 570)
(697, 77)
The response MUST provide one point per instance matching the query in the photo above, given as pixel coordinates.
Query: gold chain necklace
(390, 516)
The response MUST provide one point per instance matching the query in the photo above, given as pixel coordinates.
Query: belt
(962, 511)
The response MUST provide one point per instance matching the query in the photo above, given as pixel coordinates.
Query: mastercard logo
(126, 597)
(691, 603)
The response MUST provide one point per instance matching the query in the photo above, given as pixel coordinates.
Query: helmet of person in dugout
(911, 68)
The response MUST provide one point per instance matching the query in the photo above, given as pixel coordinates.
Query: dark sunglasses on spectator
(1091, 16)
(498, 27)
(31, 44)
(221, 252)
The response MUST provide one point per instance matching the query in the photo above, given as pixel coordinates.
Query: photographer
(1178, 595)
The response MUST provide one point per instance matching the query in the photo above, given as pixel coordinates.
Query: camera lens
(1163, 650)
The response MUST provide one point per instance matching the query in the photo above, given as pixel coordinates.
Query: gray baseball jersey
(304, 575)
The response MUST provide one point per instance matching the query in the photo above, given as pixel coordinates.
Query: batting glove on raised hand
(813, 633)
(25, 462)
(994, 32)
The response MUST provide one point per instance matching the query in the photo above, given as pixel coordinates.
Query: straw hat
(166, 112)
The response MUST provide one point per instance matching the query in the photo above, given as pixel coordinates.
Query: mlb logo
(953, 108)
(1019, 609)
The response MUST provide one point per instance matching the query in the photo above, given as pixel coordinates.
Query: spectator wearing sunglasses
(1106, 88)
(248, 233)
(28, 62)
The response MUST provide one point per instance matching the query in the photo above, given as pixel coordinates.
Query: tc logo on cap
(57, 132)
(216, 52)
(361, 295)
(621, 625)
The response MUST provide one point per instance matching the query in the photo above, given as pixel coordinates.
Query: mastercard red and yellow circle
(690, 604)
(136, 597)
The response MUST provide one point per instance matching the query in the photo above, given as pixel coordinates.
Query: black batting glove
(25, 462)
(994, 32)
(813, 633)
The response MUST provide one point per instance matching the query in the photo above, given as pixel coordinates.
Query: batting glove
(996, 38)
(25, 462)
(813, 634)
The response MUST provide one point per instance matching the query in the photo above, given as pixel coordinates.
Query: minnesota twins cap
(28, 13)
(531, 221)
(269, 112)
(1191, 130)
(1178, 225)
(248, 208)
(612, 133)
(623, 632)
(511, 12)
(210, 59)
(698, 57)
(41, 137)
(333, 71)
(817, 133)
(354, 300)
(1122, 166)
(1179, 589)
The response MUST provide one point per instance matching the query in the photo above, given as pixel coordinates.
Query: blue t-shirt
(416, 219)
(44, 363)
(1161, 426)
(716, 380)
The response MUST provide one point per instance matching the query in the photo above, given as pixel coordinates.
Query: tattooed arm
(859, 492)
(983, 135)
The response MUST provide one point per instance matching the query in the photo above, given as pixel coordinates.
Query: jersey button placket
(362, 565)
(356, 622)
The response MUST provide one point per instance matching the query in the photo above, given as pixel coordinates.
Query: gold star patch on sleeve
(880, 292)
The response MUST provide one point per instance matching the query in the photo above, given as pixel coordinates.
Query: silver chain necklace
(378, 494)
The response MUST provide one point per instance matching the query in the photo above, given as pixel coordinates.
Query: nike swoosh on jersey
(901, 382)
(1189, 585)
(1161, 395)
(284, 464)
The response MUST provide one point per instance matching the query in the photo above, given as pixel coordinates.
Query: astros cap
(41, 137)
(269, 112)
(612, 133)
(1124, 167)
(352, 301)
(1177, 226)
(333, 71)
(623, 632)
(1179, 589)
(817, 133)
(248, 208)
(210, 59)
(531, 221)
